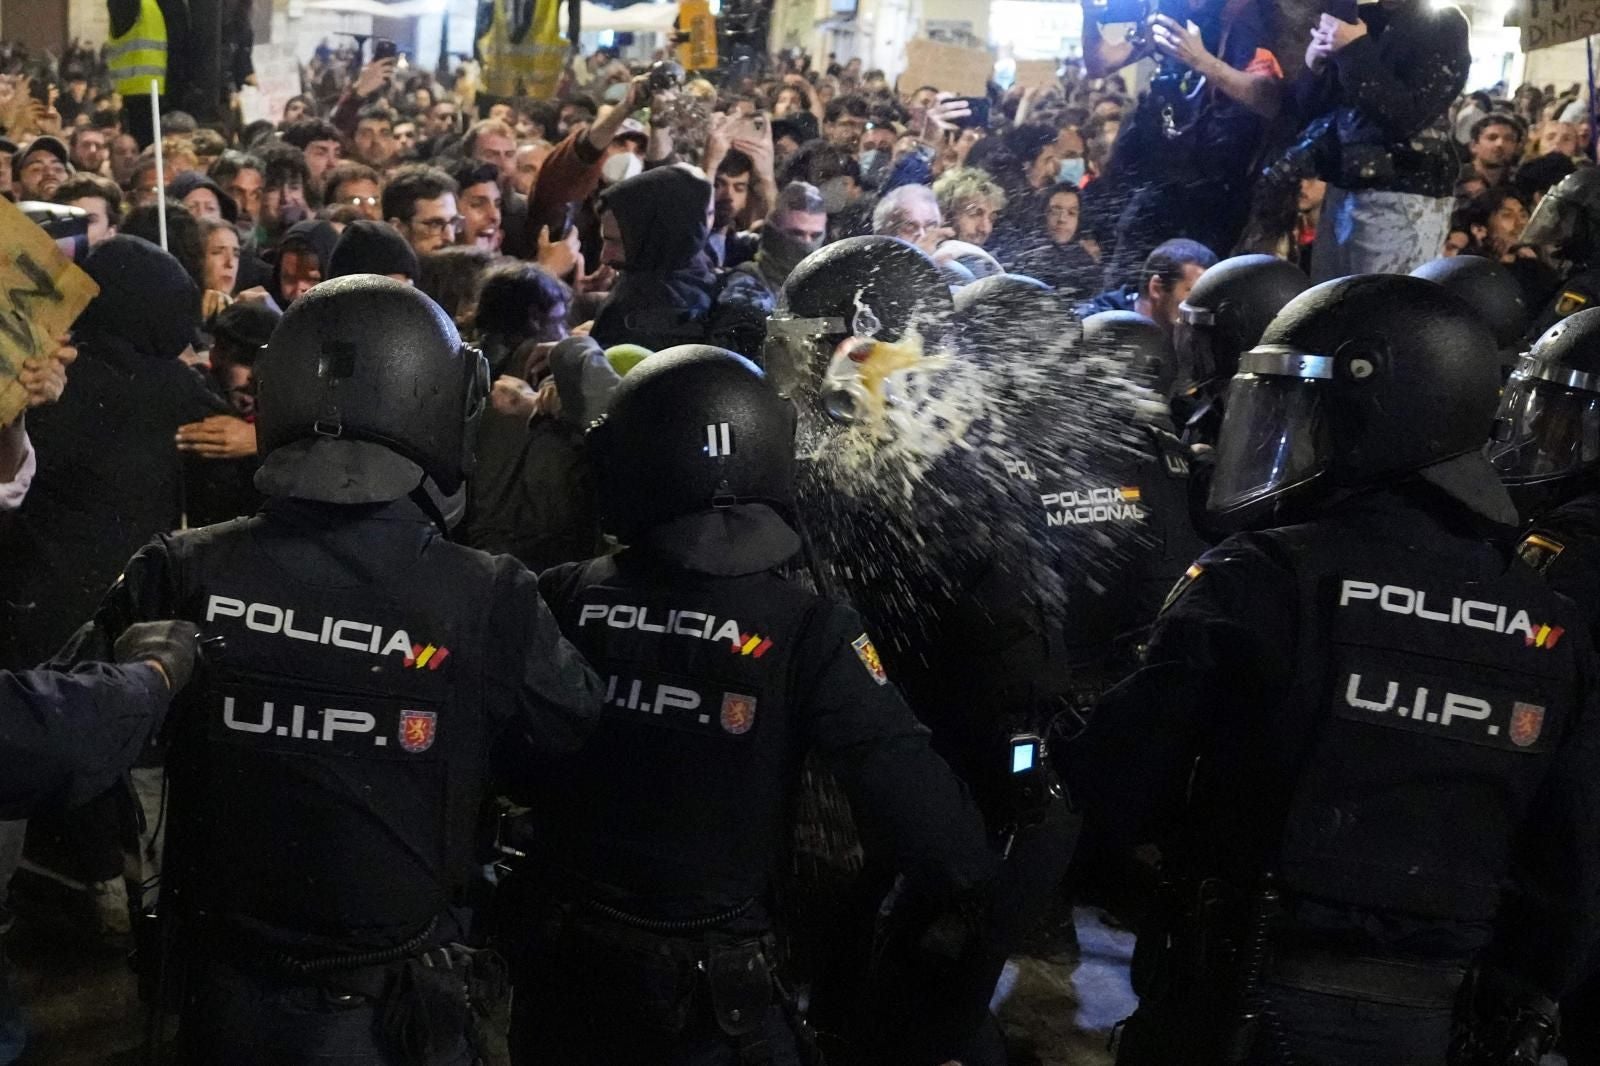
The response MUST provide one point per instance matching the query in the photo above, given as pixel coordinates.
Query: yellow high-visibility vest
(523, 50)
(140, 54)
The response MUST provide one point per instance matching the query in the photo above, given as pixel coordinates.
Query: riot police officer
(658, 845)
(1126, 505)
(1566, 224)
(921, 510)
(1143, 345)
(1359, 738)
(327, 776)
(1548, 456)
(1222, 317)
(1492, 291)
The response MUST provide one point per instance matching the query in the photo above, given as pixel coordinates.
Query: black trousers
(1330, 1030)
(243, 1019)
(552, 1027)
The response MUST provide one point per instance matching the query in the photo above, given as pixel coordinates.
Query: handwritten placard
(41, 295)
(1546, 23)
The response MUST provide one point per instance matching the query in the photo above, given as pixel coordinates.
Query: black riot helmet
(1004, 305)
(1226, 312)
(1548, 447)
(689, 429)
(1567, 220)
(364, 388)
(860, 288)
(1489, 289)
(1360, 381)
(1008, 314)
(1134, 340)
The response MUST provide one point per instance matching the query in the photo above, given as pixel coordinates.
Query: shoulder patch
(1182, 586)
(869, 658)
(1571, 302)
(1539, 550)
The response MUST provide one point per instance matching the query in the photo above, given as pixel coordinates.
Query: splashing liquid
(923, 473)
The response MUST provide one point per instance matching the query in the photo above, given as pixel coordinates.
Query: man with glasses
(910, 212)
(420, 202)
(358, 186)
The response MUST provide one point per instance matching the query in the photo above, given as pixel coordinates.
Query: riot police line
(1375, 831)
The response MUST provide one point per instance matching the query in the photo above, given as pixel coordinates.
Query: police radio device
(1025, 754)
(1032, 784)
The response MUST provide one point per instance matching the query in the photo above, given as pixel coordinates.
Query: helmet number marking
(719, 440)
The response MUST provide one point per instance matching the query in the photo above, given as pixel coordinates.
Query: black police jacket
(1579, 291)
(958, 582)
(1564, 545)
(1121, 538)
(1390, 713)
(329, 764)
(68, 736)
(719, 677)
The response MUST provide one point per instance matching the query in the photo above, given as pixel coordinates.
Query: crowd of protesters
(649, 211)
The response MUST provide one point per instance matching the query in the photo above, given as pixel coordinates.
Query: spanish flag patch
(1539, 550)
(1182, 585)
(1570, 303)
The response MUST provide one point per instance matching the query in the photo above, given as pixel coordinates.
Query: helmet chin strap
(425, 496)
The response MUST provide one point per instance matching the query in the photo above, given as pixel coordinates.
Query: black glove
(172, 644)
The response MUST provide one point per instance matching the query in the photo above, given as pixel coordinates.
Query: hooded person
(368, 247)
(654, 230)
(93, 504)
(305, 258)
(540, 506)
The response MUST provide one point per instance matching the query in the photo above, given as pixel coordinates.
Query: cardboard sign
(41, 295)
(1036, 73)
(1546, 23)
(950, 67)
(278, 80)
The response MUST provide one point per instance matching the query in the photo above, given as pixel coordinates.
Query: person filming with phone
(1182, 165)
(1374, 109)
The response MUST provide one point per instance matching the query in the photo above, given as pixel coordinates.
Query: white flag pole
(161, 170)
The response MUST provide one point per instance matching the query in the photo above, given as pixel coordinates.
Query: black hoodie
(315, 234)
(109, 474)
(666, 286)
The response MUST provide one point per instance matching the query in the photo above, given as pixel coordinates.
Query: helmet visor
(1274, 435)
(1554, 223)
(796, 351)
(1192, 346)
(1549, 430)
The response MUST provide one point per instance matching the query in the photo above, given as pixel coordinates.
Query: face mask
(621, 167)
(835, 195)
(1070, 172)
